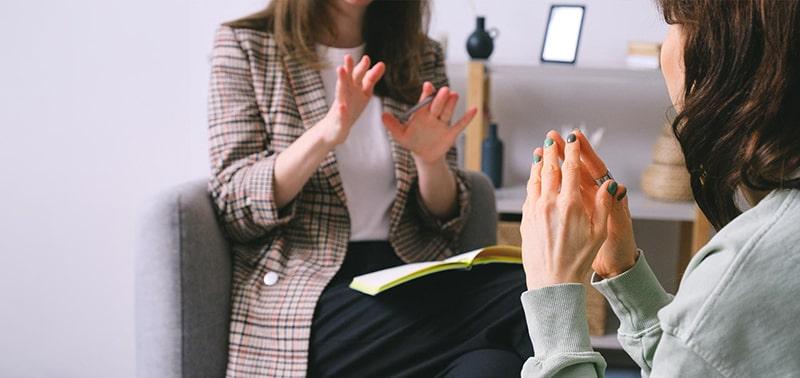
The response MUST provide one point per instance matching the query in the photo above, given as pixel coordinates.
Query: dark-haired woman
(732, 69)
(313, 190)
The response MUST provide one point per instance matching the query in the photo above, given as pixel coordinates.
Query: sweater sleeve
(556, 317)
(635, 297)
(557, 325)
(242, 167)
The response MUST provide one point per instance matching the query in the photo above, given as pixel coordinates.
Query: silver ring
(601, 180)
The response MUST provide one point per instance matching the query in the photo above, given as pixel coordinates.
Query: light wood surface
(477, 96)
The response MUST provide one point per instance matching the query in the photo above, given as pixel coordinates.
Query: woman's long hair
(394, 32)
(739, 125)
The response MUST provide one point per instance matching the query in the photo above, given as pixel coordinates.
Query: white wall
(102, 103)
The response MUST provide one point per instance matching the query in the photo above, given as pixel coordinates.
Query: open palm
(354, 88)
(428, 134)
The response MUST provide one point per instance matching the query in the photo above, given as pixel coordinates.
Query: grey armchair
(183, 274)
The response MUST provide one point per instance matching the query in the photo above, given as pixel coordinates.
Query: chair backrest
(183, 277)
(481, 227)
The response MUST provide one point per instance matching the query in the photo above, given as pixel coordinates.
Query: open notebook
(382, 280)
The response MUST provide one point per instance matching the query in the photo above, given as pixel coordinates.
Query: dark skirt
(454, 323)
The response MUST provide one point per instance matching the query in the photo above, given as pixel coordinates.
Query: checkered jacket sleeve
(242, 166)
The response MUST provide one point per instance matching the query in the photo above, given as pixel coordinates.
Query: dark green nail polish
(571, 138)
(536, 159)
(548, 142)
(622, 195)
(612, 188)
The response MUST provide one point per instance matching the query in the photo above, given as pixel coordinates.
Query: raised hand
(428, 134)
(354, 88)
(618, 252)
(564, 223)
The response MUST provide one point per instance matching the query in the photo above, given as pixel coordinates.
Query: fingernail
(612, 188)
(548, 142)
(622, 195)
(536, 158)
(571, 138)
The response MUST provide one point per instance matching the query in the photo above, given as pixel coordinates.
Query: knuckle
(569, 201)
(570, 166)
(545, 206)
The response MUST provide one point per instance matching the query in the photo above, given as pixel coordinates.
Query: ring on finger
(604, 178)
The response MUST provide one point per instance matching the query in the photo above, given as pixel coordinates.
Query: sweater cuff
(635, 296)
(556, 317)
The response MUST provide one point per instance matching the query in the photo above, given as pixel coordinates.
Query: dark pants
(454, 323)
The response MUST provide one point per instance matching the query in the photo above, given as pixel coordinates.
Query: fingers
(372, 77)
(427, 90)
(348, 64)
(604, 200)
(623, 202)
(571, 169)
(437, 106)
(463, 122)
(622, 192)
(394, 125)
(587, 181)
(597, 168)
(341, 83)
(551, 172)
(361, 69)
(555, 136)
(535, 179)
(449, 108)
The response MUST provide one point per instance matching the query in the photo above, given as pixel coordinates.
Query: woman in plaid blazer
(280, 196)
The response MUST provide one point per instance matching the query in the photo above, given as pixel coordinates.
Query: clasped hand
(570, 226)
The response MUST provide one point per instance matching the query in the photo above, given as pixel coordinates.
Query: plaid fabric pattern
(260, 102)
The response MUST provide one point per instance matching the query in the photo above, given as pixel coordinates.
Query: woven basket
(668, 151)
(666, 182)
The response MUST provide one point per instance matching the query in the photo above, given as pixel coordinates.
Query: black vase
(480, 43)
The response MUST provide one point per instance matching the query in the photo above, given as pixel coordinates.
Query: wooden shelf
(562, 72)
(510, 200)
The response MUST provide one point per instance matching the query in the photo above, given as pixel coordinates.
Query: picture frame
(562, 34)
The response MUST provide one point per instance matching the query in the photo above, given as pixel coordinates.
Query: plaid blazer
(260, 102)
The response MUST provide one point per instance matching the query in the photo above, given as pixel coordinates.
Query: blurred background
(103, 104)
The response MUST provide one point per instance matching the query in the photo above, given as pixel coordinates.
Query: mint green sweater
(736, 313)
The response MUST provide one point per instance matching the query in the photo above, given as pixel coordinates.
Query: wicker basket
(666, 182)
(666, 178)
(668, 151)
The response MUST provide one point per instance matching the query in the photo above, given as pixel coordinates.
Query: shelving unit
(510, 200)
(695, 229)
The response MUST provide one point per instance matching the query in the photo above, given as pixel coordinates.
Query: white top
(364, 160)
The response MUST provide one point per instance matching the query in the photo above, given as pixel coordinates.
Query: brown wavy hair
(739, 125)
(395, 32)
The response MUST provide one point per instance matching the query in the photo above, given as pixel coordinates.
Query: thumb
(604, 200)
(393, 124)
